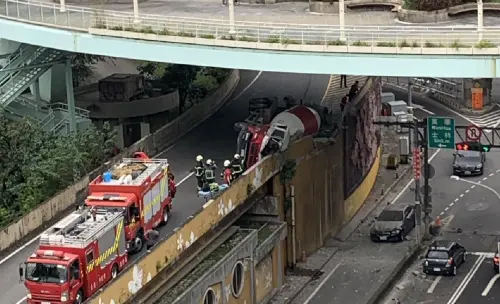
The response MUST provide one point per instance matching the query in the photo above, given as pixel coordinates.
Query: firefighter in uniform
(236, 166)
(227, 174)
(199, 171)
(210, 172)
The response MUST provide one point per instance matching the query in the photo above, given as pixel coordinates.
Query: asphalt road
(469, 211)
(214, 139)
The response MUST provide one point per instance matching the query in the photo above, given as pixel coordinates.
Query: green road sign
(441, 132)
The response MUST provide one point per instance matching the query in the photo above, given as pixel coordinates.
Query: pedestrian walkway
(334, 93)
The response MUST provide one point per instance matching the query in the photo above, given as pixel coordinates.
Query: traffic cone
(437, 222)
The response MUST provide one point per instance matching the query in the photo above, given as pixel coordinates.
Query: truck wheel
(79, 297)
(138, 243)
(164, 218)
(114, 271)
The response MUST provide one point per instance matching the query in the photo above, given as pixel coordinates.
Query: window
(89, 256)
(390, 216)
(439, 255)
(209, 297)
(238, 279)
(75, 270)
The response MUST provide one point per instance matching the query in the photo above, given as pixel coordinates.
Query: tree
(35, 165)
(192, 82)
(82, 67)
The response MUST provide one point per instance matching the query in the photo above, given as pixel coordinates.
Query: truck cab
(53, 277)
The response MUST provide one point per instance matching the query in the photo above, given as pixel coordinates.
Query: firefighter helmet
(209, 162)
(236, 156)
(199, 158)
(227, 163)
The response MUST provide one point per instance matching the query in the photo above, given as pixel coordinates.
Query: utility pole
(427, 209)
(342, 20)
(410, 104)
(480, 21)
(231, 17)
(136, 11)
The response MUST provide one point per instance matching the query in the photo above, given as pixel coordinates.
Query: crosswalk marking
(334, 93)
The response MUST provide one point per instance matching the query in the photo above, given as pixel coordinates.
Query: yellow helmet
(199, 158)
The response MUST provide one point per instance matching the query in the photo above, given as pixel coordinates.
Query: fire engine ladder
(91, 228)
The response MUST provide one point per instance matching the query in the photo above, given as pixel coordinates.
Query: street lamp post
(480, 21)
(231, 18)
(136, 11)
(342, 20)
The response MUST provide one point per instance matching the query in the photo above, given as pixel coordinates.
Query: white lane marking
(491, 174)
(489, 255)
(458, 292)
(248, 86)
(461, 195)
(326, 91)
(456, 200)
(434, 284)
(467, 191)
(412, 180)
(446, 209)
(451, 204)
(454, 177)
(22, 301)
(490, 285)
(322, 283)
(473, 186)
(424, 109)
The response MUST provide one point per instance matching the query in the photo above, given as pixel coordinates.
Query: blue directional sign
(441, 132)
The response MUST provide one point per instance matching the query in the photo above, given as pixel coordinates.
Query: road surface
(469, 212)
(214, 139)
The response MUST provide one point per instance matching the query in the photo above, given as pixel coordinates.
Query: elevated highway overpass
(300, 48)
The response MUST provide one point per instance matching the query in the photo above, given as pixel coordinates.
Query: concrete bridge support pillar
(52, 86)
(473, 88)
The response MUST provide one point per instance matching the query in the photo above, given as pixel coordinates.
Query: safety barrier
(293, 37)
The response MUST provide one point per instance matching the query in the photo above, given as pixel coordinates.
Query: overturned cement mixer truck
(256, 140)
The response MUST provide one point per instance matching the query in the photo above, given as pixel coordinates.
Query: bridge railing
(83, 19)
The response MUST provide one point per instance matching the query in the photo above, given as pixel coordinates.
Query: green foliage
(431, 5)
(193, 82)
(485, 44)
(82, 67)
(35, 165)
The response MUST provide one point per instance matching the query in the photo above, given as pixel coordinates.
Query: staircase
(14, 83)
(51, 117)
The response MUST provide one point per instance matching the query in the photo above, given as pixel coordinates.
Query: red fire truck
(140, 187)
(76, 256)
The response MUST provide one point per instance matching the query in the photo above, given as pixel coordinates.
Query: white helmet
(199, 158)
(209, 162)
(227, 163)
(236, 156)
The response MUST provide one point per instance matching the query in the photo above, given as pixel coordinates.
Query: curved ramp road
(214, 139)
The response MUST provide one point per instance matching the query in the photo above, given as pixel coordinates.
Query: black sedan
(394, 223)
(468, 162)
(443, 257)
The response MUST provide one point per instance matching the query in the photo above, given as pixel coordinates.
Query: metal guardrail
(159, 27)
(64, 108)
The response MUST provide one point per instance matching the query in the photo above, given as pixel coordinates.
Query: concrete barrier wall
(151, 144)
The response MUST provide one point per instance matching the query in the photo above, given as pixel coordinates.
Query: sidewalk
(291, 12)
(350, 268)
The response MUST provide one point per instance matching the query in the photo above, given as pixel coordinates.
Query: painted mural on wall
(362, 138)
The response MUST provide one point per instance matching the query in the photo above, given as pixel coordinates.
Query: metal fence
(82, 19)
